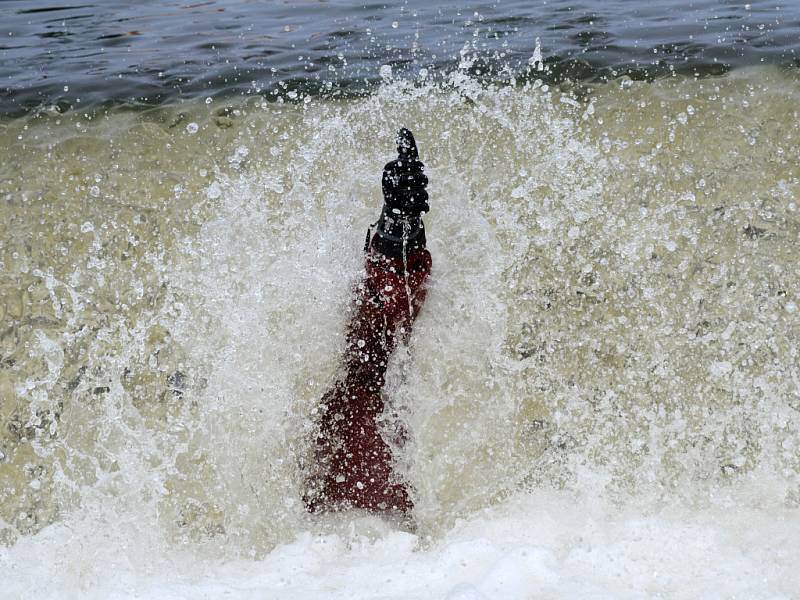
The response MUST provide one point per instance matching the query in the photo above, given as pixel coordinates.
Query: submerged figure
(354, 463)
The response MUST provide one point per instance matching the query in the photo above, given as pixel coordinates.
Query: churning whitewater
(601, 394)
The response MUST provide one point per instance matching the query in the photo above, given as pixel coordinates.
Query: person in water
(353, 462)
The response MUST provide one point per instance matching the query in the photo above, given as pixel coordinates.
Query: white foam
(541, 545)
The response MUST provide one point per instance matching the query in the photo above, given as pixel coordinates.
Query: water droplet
(192, 128)
(214, 191)
(536, 58)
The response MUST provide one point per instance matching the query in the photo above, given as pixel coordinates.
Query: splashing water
(607, 357)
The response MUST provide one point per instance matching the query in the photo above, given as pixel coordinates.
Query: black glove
(400, 229)
(404, 181)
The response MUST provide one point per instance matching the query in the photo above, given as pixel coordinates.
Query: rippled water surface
(150, 52)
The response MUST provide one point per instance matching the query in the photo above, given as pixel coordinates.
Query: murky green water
(614, 305)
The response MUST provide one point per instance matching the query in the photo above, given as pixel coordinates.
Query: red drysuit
(354, 462)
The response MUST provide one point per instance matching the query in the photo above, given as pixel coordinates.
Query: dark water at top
(89, 54)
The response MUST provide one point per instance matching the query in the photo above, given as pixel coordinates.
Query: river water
(145, 53)
(602, 392)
